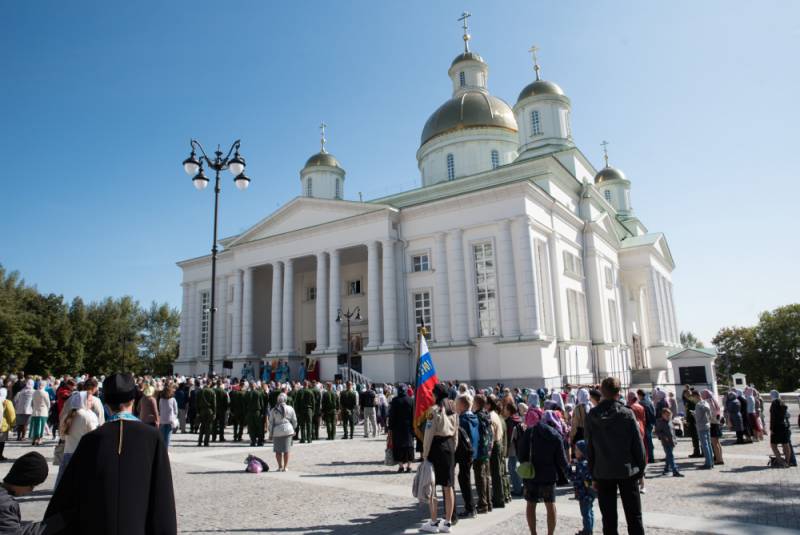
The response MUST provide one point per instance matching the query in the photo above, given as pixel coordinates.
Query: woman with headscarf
(438, 447)
(7, 421)
(779, 429)
(23, 404)
(660, 401)
(734, 412)
(535, 412)
(282, 425)
(39, 414)
(401, 428)
(78, 420)
(148, 407)
(556, 398)
(579, 414)
(752, 414)
(716, 428)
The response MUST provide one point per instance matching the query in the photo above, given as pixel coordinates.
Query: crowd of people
(503, 443)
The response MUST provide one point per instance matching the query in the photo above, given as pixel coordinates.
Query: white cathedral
(527, 265)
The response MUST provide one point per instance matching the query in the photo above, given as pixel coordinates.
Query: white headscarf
(3, 394)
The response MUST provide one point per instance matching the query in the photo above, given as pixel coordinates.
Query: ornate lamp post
(194, 168)
(355, 314)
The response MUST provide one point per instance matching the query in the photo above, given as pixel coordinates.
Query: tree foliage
(767, 353)
(689, 340)
(42, 334)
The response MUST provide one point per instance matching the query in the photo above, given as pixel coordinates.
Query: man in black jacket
(28, 471)
(616, 458)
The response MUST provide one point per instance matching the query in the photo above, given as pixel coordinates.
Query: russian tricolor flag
(426, 380)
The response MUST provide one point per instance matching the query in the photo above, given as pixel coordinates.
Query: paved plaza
(342, 487)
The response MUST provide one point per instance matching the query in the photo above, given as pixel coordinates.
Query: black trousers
(631, 504)
(465, 484)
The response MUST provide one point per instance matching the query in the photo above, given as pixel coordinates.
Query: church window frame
(423, 309)
(205, 321)
(354, 287)
(309, 187)
(495, 159)
(573, 265)
(462, 79)
(613, 320)
(576, 313)
(607, 195)
(483, 259)
(536, 123)
(543, 283)
(451, 167)
(338, 192)
(609, 276)
(420, 263)
(311, 293)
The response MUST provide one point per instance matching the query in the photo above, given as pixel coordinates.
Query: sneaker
(430, 527)
(444, 527)
(642, 491)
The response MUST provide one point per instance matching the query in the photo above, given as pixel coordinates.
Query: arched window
(495, 159)
(451, 167)
(309, 188)
(607, 194)
(462, 78)
(536, 123)
(338, 189)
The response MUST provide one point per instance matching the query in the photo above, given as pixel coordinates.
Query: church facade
(526, 264)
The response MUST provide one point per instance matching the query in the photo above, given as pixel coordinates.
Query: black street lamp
(194, 168)
(355, 314)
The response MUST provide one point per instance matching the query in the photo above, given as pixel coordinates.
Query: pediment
(604, 226)
(301, 213)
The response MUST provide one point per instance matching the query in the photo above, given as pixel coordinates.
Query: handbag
(58, 453)
(526, 470)
(388, 458)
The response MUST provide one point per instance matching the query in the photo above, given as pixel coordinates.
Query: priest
(118, 481)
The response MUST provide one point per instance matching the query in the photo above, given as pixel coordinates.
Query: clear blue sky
(98, 100)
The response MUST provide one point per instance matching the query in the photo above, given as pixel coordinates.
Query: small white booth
(695, 366)
(739, 380)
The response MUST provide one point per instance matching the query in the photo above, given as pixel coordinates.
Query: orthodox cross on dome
(322, 139)
(605, 151)
(463, 18)
(533, 50)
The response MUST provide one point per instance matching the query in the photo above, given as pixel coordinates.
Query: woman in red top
(638, 411)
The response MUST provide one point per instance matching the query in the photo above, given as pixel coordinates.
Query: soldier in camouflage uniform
(304, 405)
(315, 420)
(206, 411)
(329, 404)
(221, 416)
(348, 401)
(237, 411)
(255, 406)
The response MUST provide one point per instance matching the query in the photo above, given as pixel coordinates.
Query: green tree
(736, 352)
(117, 336)
(52, 331)
(689, 340)
(778, 338)
(82, 332)
(160, 338)
(16, 322)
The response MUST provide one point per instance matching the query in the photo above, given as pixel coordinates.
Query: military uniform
(329, 404)
(221, 419)
(304, 404)
(348, 401)
(254, 414)
(315, 420)
(206, 411)
(237, 414)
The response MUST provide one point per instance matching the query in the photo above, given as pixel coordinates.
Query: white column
(672, 314)
(335, 302)
(184, 339)
(528, 291)
(389, 295)
(236, 329)
(193, 325)
(508, 291)
(247, 312)
(458, 286)
(288, 306)
(441, 290)
(373, 295)
(554, 255)
(276, 315)
(219, 320)
(322, 302)
(654, 306)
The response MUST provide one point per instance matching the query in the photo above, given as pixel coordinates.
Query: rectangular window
(613, 320)
(609, 278)
(422, 310)
(451, 167)
(311, 293)
(543, 287)
(462, 79)
(420, 262)
(495, 159)
(338, 189)
(205, 318)
(354, 287)
(573, 265)
(576, 309)
(485, 288)
(536, 123)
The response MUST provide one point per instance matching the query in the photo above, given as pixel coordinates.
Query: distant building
(528, 266)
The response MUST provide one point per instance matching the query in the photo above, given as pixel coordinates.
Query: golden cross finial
(463, 18)
(322, 139)
(533, 50)
(605, 151)
(423, 331)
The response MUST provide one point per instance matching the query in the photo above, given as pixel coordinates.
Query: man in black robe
(118, 481)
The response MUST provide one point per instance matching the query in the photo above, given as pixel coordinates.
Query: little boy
(582, 482)
(666, 434)
(27, 472)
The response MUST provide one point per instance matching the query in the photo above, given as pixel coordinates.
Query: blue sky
(99, 99)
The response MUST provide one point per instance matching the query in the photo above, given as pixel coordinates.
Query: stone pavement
(342, 487)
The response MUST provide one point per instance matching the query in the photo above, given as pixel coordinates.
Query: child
(666, 434)
(582, 482)
(27, 472)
